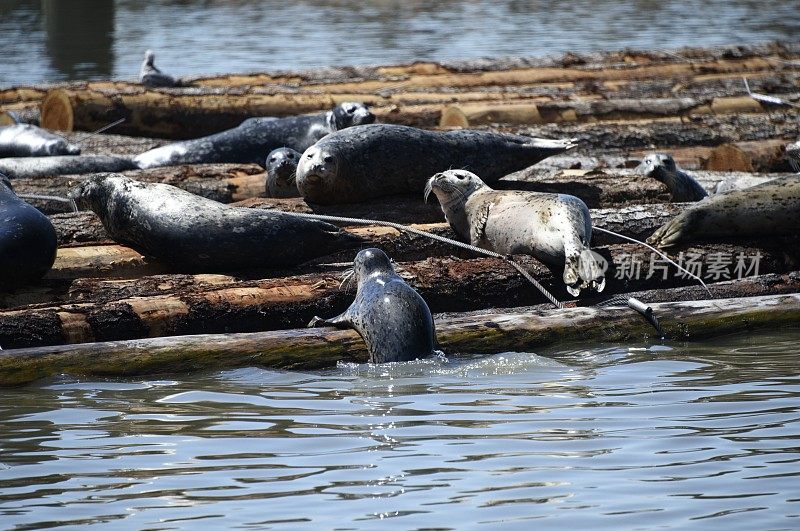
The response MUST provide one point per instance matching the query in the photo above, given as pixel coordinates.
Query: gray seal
(369, 161)
(151, 76)
(683, 188)
(193, 233)
(391, 317)
(24, 140)
(27, 240)
(553, 228)
(281, 167)
(762, 211)
(254, 137)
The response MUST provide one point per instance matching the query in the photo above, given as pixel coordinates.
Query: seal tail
(585, 270)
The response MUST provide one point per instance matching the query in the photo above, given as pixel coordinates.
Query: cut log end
(57, 112)
(453, 116)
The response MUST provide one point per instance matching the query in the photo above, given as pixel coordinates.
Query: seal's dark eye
(310, 156)
(272, 159)
(351, 109)
(290, 155)
(327, 158)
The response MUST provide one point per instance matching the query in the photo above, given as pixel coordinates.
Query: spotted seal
(25, 140)
(554, 228)
(391, 317)
(250, 140)
(151, 76)
(27, 240)
(682, 186)
(768, 209)
(193, 233)
(369, 161)
(281, 167)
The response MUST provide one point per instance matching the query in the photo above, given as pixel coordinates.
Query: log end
(728, 157)
(57, 111)
(452, 116)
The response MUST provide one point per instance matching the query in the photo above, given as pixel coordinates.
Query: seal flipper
(479, 227)
(583, 268)
(341, 321)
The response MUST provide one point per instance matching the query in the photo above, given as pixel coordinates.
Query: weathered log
(446, 284)
(319, 348)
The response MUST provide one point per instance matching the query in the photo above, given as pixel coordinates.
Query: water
(674, 436)
(48, 40)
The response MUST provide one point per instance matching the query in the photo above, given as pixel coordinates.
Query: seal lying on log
(554, 228)
(682, 186)
(23, 140)
(197, 234)
(389, 315)
(370, 161)
(27, 240)
(281, 167)
(255, 137)
(34, 167)
(151, 76)
(765, 210)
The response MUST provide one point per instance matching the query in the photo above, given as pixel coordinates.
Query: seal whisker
(347, 278)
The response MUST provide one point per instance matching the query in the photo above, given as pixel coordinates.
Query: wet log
(447, 284)
(307, 349)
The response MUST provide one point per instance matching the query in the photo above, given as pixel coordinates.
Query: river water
(609, 437)
(48, 40)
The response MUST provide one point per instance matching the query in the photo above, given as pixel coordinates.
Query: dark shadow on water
(80, 37)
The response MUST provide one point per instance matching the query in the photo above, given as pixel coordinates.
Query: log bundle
(107, 309)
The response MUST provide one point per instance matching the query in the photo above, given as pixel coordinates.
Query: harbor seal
(24, 140)
(281, 167)
(682, 186)
(27, 240)
(553, 228)
(193, 233)
(369, 161)
(250, 140)
(33, 167)
(390, 316)
(150, 76)
(765, 210)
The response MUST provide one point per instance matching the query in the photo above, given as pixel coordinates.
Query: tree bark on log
(447, 284)
(308, 349)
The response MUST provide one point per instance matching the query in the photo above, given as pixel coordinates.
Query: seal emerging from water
(391, 317)
(765, 210)
(23, 140)
(281, 167)
(151, 76)
(553, 228)
(369, 161)
(197, 234)
(27, 240)
(682, 186)
(253, 138)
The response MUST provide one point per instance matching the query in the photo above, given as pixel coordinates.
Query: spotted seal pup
(768, 209)
(24, 140)
(391, 317)
(198, 234)
(554, 228)
(250, 140)
(151, 76)
(281, 167)
(27, 240)
(369, 161)
(682, 186)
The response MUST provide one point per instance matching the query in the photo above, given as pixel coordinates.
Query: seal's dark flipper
(341, 321)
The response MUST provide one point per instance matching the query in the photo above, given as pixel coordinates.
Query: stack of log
(106, 309)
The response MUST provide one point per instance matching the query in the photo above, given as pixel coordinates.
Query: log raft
(486, 333)
(621, 105)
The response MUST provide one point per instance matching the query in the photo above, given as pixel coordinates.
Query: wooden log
(307, 349)
(446, 284)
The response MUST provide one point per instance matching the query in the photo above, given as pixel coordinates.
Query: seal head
(348, 114)
(281, 167)
(320, 168)
(391, 317)
(682, 186)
